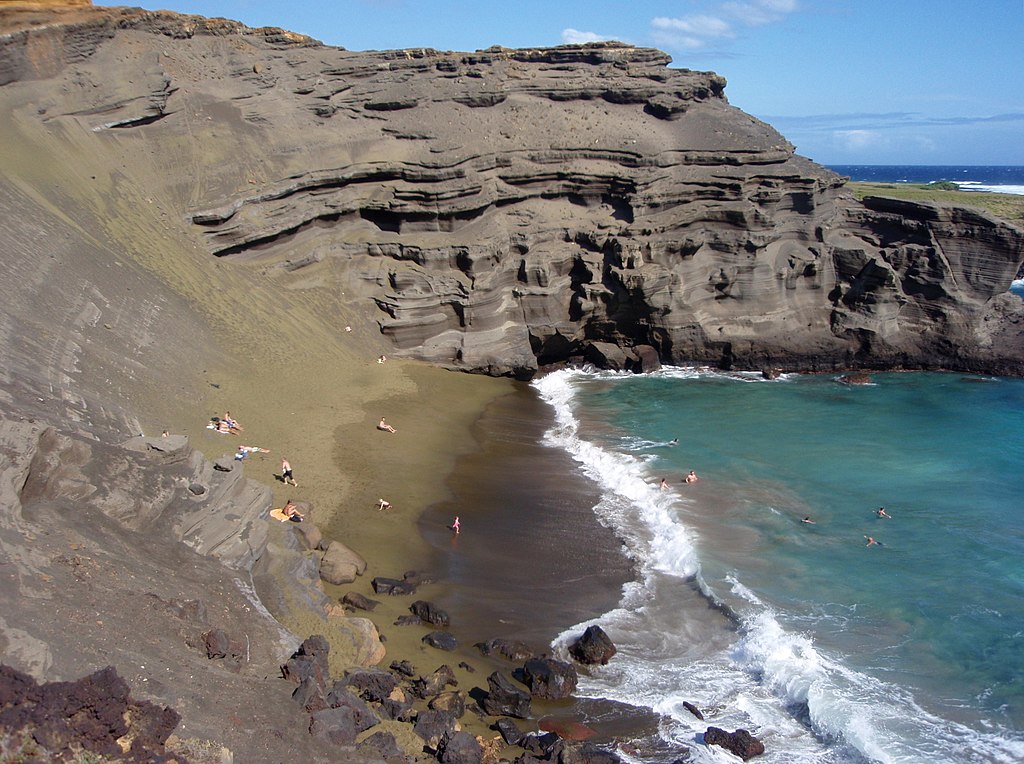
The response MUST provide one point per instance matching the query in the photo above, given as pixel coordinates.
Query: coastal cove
(473, 316)
(900, 651)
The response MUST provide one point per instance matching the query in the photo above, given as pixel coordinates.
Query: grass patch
(1009, 207)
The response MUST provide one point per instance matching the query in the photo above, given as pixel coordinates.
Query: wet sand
(532, 559)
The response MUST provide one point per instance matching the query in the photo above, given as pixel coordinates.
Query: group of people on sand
(226, 425)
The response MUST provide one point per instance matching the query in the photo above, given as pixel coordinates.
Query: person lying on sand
(382, 425)
(244, 451)
(219, 425)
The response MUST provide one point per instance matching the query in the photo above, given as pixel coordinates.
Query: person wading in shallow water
(456, 526)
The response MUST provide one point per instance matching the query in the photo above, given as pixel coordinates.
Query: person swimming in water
(882, 513)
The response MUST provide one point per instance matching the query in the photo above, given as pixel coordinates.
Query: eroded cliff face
(505, 209)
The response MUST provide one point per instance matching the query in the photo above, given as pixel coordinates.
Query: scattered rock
(442, 640)
(359, 601)
(693, 709)
(593, 647)
(429, 613)
(550, 678)
(506, 698)
(460, 748)
(508, 649)
(739, 743)
(392, 586)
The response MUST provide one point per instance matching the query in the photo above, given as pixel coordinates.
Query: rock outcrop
(506, 209)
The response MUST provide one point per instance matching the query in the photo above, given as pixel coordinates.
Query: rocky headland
(199, 216)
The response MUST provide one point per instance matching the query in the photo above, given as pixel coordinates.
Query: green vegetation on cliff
(1009, 207)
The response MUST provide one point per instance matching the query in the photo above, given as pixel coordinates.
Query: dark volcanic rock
(459, 748)
(442, 640)
(510, 650)
(593, 647)
(430, 613)
(505, 697)
(93, 714)
(739, 743)
(392, 586)
(433, 725)
(550, 678)
(372, 684)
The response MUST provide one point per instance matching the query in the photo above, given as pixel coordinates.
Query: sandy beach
(316, 398)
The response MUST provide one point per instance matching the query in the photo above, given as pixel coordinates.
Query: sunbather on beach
(384, 505)
(292, 512)
(382, 425)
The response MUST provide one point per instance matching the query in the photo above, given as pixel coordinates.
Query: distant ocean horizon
(1000, 179)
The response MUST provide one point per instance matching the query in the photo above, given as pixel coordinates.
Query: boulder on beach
(341, 565)
(593, 647)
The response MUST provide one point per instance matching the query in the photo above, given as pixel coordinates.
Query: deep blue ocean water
(999, 178)
(911, 650)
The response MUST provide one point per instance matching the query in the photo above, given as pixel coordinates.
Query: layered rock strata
(505, 209)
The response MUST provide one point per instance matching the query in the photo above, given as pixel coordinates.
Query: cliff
(505, 209)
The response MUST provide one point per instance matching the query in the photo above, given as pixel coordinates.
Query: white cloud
(698, 26)
(572, 36)
(696, 31)
(857, 140)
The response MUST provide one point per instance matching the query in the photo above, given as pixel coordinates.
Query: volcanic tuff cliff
(506, 208)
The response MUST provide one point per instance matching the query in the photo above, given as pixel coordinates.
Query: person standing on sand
(455, 525)
(286, 473)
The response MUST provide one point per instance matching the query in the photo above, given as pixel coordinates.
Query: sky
(847, 81)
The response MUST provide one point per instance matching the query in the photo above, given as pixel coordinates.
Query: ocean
(830, 650)
(996, 179)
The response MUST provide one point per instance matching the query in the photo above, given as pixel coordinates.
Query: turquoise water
(909, 650)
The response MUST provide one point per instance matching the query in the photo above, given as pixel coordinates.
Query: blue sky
(847, 81)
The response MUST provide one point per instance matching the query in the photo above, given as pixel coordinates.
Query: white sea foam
(994, 188)
(754, 673)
